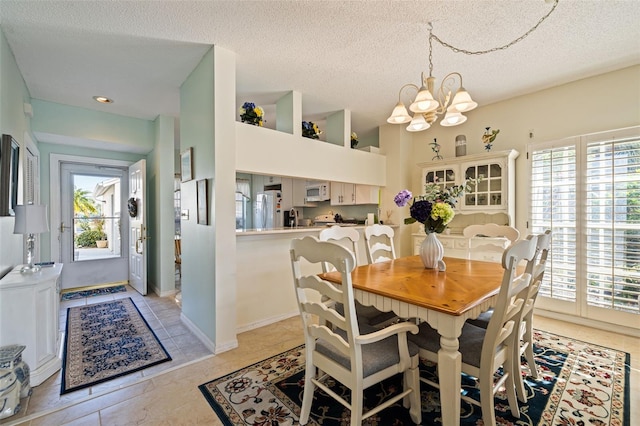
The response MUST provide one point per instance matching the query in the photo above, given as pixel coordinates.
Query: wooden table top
(465, 283)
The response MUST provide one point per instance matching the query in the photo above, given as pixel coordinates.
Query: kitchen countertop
(287, 230)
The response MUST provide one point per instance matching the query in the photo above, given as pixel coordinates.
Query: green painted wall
(85, 127)
(13, 95)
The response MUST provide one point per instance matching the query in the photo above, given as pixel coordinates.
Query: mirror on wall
(9, 165)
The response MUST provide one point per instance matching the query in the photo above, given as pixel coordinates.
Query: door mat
(93, 292)
(580, 383)
(107, 340)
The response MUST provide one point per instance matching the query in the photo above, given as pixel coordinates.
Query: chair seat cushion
(375, 356)
(471, 341)
(483, 320)
(369, 315)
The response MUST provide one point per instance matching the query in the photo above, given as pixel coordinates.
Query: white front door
(92, 216)
(137, 212)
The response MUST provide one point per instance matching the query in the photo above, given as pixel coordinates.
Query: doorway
(92, 234)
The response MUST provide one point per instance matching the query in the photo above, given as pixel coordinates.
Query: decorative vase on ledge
(431, 252)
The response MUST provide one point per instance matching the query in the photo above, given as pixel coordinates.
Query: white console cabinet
(478, 248)
(29, 305)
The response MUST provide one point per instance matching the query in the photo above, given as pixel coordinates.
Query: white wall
(271, 152)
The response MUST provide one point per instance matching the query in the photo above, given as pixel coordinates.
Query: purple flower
(420, 210)
(403, 198)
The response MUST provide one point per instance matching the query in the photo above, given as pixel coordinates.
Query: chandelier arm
(495, 49)
(444, 96)
(404, 87)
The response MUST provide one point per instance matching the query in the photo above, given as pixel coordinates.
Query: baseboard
(266, 321)
(616, 328)
(205, 339)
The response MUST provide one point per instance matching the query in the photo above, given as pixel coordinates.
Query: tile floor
(172, 397)
(162, 315)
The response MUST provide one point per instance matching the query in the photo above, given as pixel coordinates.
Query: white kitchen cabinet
(29, 305)
(367, 194)
(495, 193)
(343, 194)
(272, 180)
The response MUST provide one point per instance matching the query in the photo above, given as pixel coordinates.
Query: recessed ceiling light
(103, 99)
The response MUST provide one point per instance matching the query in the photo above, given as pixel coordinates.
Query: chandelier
(429, 104)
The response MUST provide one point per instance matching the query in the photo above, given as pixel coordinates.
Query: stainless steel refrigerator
(267, 212)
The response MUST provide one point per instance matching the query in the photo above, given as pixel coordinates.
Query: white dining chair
(343, 352)
(536, 268)
(491, 250)
(379, 243)
(485, 350)
(349, 238)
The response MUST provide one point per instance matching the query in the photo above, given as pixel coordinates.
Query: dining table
(444, 299)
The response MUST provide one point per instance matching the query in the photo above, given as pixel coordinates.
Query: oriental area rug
(107, 340)
(579, 383)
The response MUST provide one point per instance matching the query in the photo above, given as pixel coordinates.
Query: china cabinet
(495, 191)
(493, 198)
(29, 305)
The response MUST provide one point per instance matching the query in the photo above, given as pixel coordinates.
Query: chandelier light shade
(426, 108)
(418, 123)
(428, 103)
(30, 219)
(399, 115)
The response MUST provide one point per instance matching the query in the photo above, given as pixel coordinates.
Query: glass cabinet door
(489, 191)
(444, 177)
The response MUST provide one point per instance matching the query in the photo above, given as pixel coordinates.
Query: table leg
(449, 370)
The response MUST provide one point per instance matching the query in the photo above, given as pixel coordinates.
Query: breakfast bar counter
(264, 281)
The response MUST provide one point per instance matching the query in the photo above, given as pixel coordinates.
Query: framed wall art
(186, 164)
(9, 160)
(203, 202)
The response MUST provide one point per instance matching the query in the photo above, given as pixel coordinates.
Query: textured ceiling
(338, 54)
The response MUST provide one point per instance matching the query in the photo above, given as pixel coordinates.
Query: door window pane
(96, 217)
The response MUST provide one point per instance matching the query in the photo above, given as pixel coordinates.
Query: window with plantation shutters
(587, 191)
(612, 223)
(553, 206)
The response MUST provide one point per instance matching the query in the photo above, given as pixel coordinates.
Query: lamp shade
(452, 118)
(399, 115)
(418, 124)
(462, 101)
(424, 102)
(31, 219)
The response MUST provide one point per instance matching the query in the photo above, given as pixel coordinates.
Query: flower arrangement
(434, 209)
(310, 130)
(252, 114)
(354, 140)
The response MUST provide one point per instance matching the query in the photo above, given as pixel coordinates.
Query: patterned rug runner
(580, 383)
(107, 340)
(93, 292)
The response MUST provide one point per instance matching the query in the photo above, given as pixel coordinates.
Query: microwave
(319, 191)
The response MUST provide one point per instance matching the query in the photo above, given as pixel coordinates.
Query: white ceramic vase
(431, 252)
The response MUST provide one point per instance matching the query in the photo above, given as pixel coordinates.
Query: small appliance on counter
(324, 219)
(291, 218)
